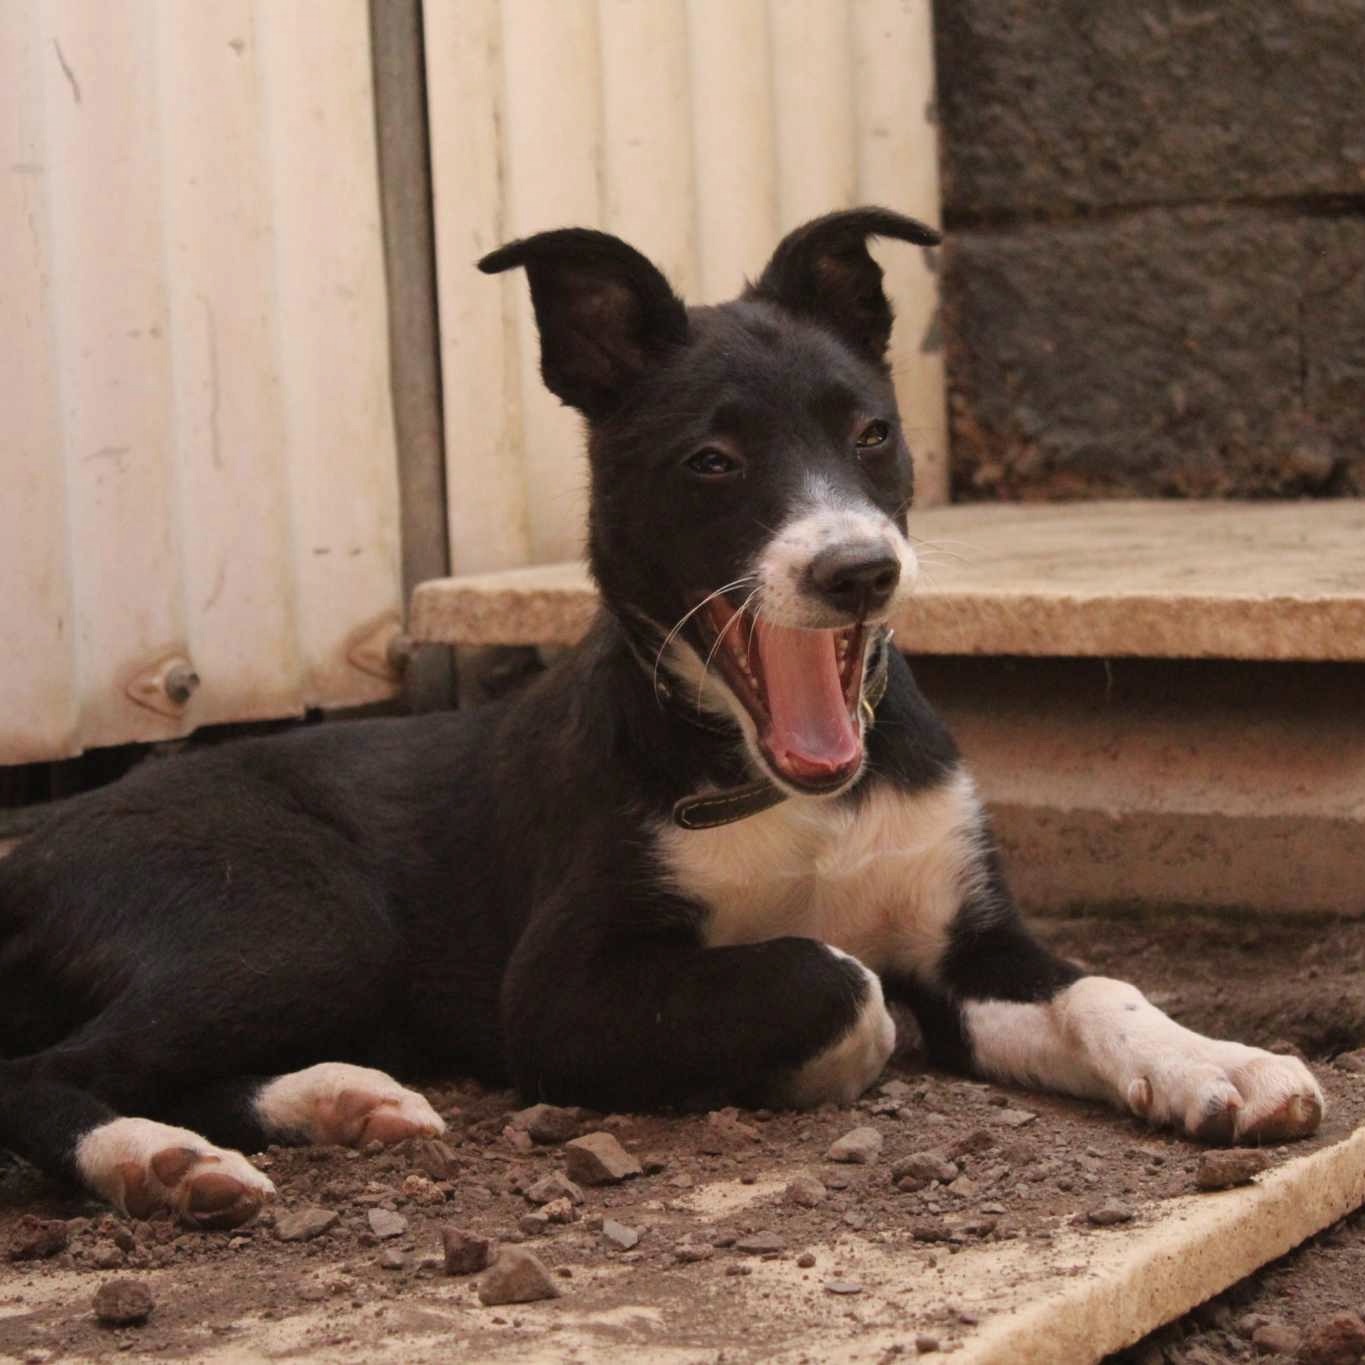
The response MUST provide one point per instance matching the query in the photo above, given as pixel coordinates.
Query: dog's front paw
(345, 1105)
(1224, 1092)
(844, 1069)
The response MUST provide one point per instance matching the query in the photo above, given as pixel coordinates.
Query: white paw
(855, 1059)
(1224, 1092)
(144, 1167)
(338, 1104)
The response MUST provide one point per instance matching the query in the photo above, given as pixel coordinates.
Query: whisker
(687, 616)
(720, 637)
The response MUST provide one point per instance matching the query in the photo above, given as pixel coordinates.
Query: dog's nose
(858, 578)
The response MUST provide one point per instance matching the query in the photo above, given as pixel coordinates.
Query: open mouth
(801, 688)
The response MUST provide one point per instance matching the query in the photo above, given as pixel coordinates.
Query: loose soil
(728, 1267)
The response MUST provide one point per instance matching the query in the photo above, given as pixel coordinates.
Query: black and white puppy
(688, 866)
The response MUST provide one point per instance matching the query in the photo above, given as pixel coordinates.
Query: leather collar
(724, 807)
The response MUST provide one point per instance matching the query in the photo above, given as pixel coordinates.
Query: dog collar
(730, 804)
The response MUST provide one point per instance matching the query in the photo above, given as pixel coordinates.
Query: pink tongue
(812, 732)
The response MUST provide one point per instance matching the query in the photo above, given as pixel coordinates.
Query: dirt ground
(750, 1239)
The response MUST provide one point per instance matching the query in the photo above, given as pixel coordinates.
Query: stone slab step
(1231, 580)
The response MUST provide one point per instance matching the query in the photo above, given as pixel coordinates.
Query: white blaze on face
(822, 521)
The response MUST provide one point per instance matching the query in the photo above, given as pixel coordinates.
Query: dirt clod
(599, 1159)
(517, 1276)
(1338, 1341)
(1220, 1169)
(304, 1224)
(858, 1146)
(465, 1252)
(123, 1303)
(37, 1238)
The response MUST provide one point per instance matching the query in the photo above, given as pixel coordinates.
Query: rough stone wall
(1155, 278)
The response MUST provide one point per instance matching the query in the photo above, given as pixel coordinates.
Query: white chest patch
(882, 880)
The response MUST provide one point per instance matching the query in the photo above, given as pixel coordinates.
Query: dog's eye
(713, 464)
(874, 434)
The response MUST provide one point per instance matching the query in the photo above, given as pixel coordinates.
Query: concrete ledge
(1263, 581)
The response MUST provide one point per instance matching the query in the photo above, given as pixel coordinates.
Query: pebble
(925, 1166)
(690, 1252)
(1109, 1214)
(1221, 1169)
(805, 1191)
(805, 1260)
(533, 1224)
(552, 1187)
(760, 1243)
(560, 1210)
(930, 1230)
(34, 1239)
(305, 1224)
(925, 1344)
(548, 1123)
(1350, 1061)
(843, 1287)
(1015, 1118)
(517, 1276)
(121, 1303)
(1340, 1340)
(392, 1259)
(106, 1256)
(436, 1159)
(724, 1132)
(599, 1159)
(857, 1147)
(465, 1252)
(620, 1236)
(1275, 1338)
(385, 1224)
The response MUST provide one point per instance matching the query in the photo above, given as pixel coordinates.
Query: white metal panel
(196, 446)
(697, 130)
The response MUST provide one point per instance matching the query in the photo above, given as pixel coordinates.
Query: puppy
(686, 867)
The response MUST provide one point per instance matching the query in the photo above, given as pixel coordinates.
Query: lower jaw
(809, 780)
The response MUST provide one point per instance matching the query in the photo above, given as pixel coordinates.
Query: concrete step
(1125, 758)
(1262, 581)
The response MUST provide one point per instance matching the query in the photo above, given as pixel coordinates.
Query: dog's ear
(604, 311)
(824, 271)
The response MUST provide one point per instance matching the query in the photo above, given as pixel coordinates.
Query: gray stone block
(1106, 102)
(1158, 353)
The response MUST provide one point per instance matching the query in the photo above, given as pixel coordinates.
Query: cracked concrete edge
(1199, 1247)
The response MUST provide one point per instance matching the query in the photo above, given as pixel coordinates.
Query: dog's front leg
(991, 999)
(639, 1021)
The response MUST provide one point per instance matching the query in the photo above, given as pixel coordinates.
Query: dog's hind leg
(138, 1165)
(332, 1103)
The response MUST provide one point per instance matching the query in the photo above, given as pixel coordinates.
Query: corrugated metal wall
(196, 451)
(699, 130)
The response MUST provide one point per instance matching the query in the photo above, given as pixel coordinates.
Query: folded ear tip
(502, 259)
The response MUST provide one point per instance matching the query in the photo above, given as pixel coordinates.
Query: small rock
(925, 1344)
(978, 1140)
(392, 1259)
(925, 1166)
(858, 1146)
(598, 1159)
(517, 1139)
(964, 1186)
(930, 1230)
(690, 1252)
(1286, 1047)
(534, 1224)
(1015, 1118)
(552, 1187)
(465, 1252)
(1221, 1169)
(121, 1303)
(1338, 1341)
(436, 1159)
(305, 1224)
(560, 1210)
(34, 1239)
(895, 1090)
(760, 1243)
(1350, 1061)
(517, 1276)
(312, 1293)
(385, 1224)
(724, 1132)
(805, 1191)
(422, 1190)
(548, 1123)
(106, 1256)
(843, 1287)
(1109, 1214)
(1275, 1338)
(620, 1236)
(805, 1260)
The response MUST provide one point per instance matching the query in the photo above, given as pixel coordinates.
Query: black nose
(857, 577)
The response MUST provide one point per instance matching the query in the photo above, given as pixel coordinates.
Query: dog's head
(750, 476)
